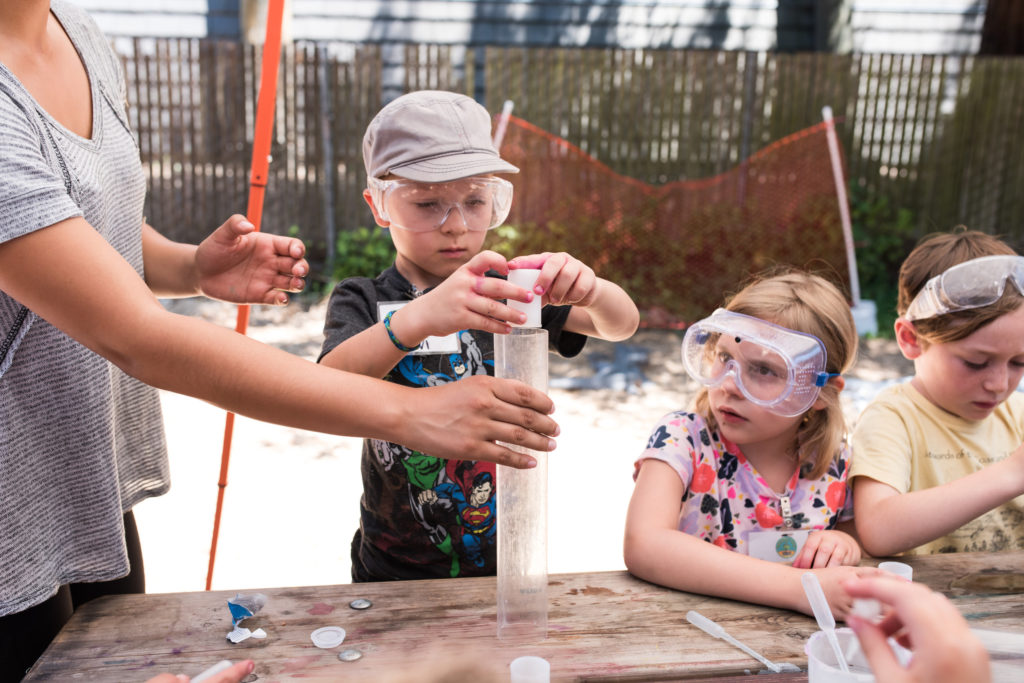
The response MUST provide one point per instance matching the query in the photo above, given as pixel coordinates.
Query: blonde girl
(741, 496)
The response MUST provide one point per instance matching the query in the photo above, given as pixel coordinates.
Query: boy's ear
(368, 196)
(911, 344)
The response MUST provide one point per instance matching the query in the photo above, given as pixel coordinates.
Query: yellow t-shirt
(904, 440)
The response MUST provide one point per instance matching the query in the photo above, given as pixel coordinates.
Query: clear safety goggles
(482, 202)
(971, 284)
(774, 367)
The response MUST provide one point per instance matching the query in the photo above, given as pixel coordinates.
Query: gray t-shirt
(80, 441)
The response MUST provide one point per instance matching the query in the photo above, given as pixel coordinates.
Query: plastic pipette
(713, 629)
(823, 614)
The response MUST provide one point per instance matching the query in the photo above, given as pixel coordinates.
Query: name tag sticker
(431, 345)
(776, 546)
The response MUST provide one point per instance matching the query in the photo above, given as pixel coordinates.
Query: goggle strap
(823, 378)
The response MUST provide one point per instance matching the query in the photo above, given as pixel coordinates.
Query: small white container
(821, 660)
(530, 669)
(904, 571)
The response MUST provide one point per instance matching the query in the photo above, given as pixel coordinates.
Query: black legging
(25, 635)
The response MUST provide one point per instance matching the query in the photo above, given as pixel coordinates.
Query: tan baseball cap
(432, 136)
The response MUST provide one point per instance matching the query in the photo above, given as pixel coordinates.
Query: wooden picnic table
(602, 626)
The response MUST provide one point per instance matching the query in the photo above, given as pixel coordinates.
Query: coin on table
(360, 603)
(349, 655)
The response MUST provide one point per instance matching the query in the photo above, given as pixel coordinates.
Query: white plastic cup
(904, 571)
(527, 279)
(822, 666)
(530, 669)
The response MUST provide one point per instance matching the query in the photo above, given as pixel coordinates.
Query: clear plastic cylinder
(523, 503)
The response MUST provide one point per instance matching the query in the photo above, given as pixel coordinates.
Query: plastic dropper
(713, 629)
(823, 614)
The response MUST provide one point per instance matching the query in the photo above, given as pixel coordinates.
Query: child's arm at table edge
(877, 504)
(655, 550)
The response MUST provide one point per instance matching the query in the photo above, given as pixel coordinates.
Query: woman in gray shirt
(84, 340)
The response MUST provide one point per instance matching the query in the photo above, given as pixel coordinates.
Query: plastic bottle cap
(328, 637)
(900, 569)
(526, 278)
(530, 669)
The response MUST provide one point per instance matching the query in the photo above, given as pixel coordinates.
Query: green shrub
(883, 236)
(358, 252)
(362, 252)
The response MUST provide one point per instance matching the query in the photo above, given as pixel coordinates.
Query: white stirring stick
(713, 629)
(823, 614)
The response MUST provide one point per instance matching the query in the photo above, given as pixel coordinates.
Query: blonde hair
(934, 255)
(808, 303)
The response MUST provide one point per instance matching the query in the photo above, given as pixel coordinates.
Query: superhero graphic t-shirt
(421, 516)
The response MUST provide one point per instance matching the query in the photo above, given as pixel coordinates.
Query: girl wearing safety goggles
(942, 453)
(755, 476)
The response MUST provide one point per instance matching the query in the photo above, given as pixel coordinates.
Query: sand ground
(291, 504)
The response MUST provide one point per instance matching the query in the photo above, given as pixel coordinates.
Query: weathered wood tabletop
(604, 626)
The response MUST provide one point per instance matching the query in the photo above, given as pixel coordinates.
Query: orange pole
(257, 188)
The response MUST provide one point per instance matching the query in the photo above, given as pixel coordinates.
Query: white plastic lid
(530, 669)
(526, 278)
(900, 569)
(328, 637)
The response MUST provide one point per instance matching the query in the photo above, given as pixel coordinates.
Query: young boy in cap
(430, 319)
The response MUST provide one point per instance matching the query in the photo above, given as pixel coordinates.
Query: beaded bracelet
(391, 335)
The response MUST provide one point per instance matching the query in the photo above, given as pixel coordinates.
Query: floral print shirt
(725, 498)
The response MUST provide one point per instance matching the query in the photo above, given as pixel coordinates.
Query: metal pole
(257, 187)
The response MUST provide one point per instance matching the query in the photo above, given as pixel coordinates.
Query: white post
(252, 16)
(499, 133)
(844, 206)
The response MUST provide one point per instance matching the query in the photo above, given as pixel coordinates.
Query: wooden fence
(940, 136)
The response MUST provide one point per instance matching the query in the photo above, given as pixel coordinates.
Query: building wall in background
(900, 26)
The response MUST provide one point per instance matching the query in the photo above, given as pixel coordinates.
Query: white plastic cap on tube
(526, 278)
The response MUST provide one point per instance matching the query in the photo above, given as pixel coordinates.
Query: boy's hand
(467, 299)
(564, 280)
(828, 548)
(239, 265)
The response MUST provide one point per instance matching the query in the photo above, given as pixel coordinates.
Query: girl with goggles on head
(942, 452)
(740, 496)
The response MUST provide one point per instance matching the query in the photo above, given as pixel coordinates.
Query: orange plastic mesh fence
(677, 248)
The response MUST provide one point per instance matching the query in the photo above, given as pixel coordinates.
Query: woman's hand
(926, 623)
(233, 674)
(237, 264)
